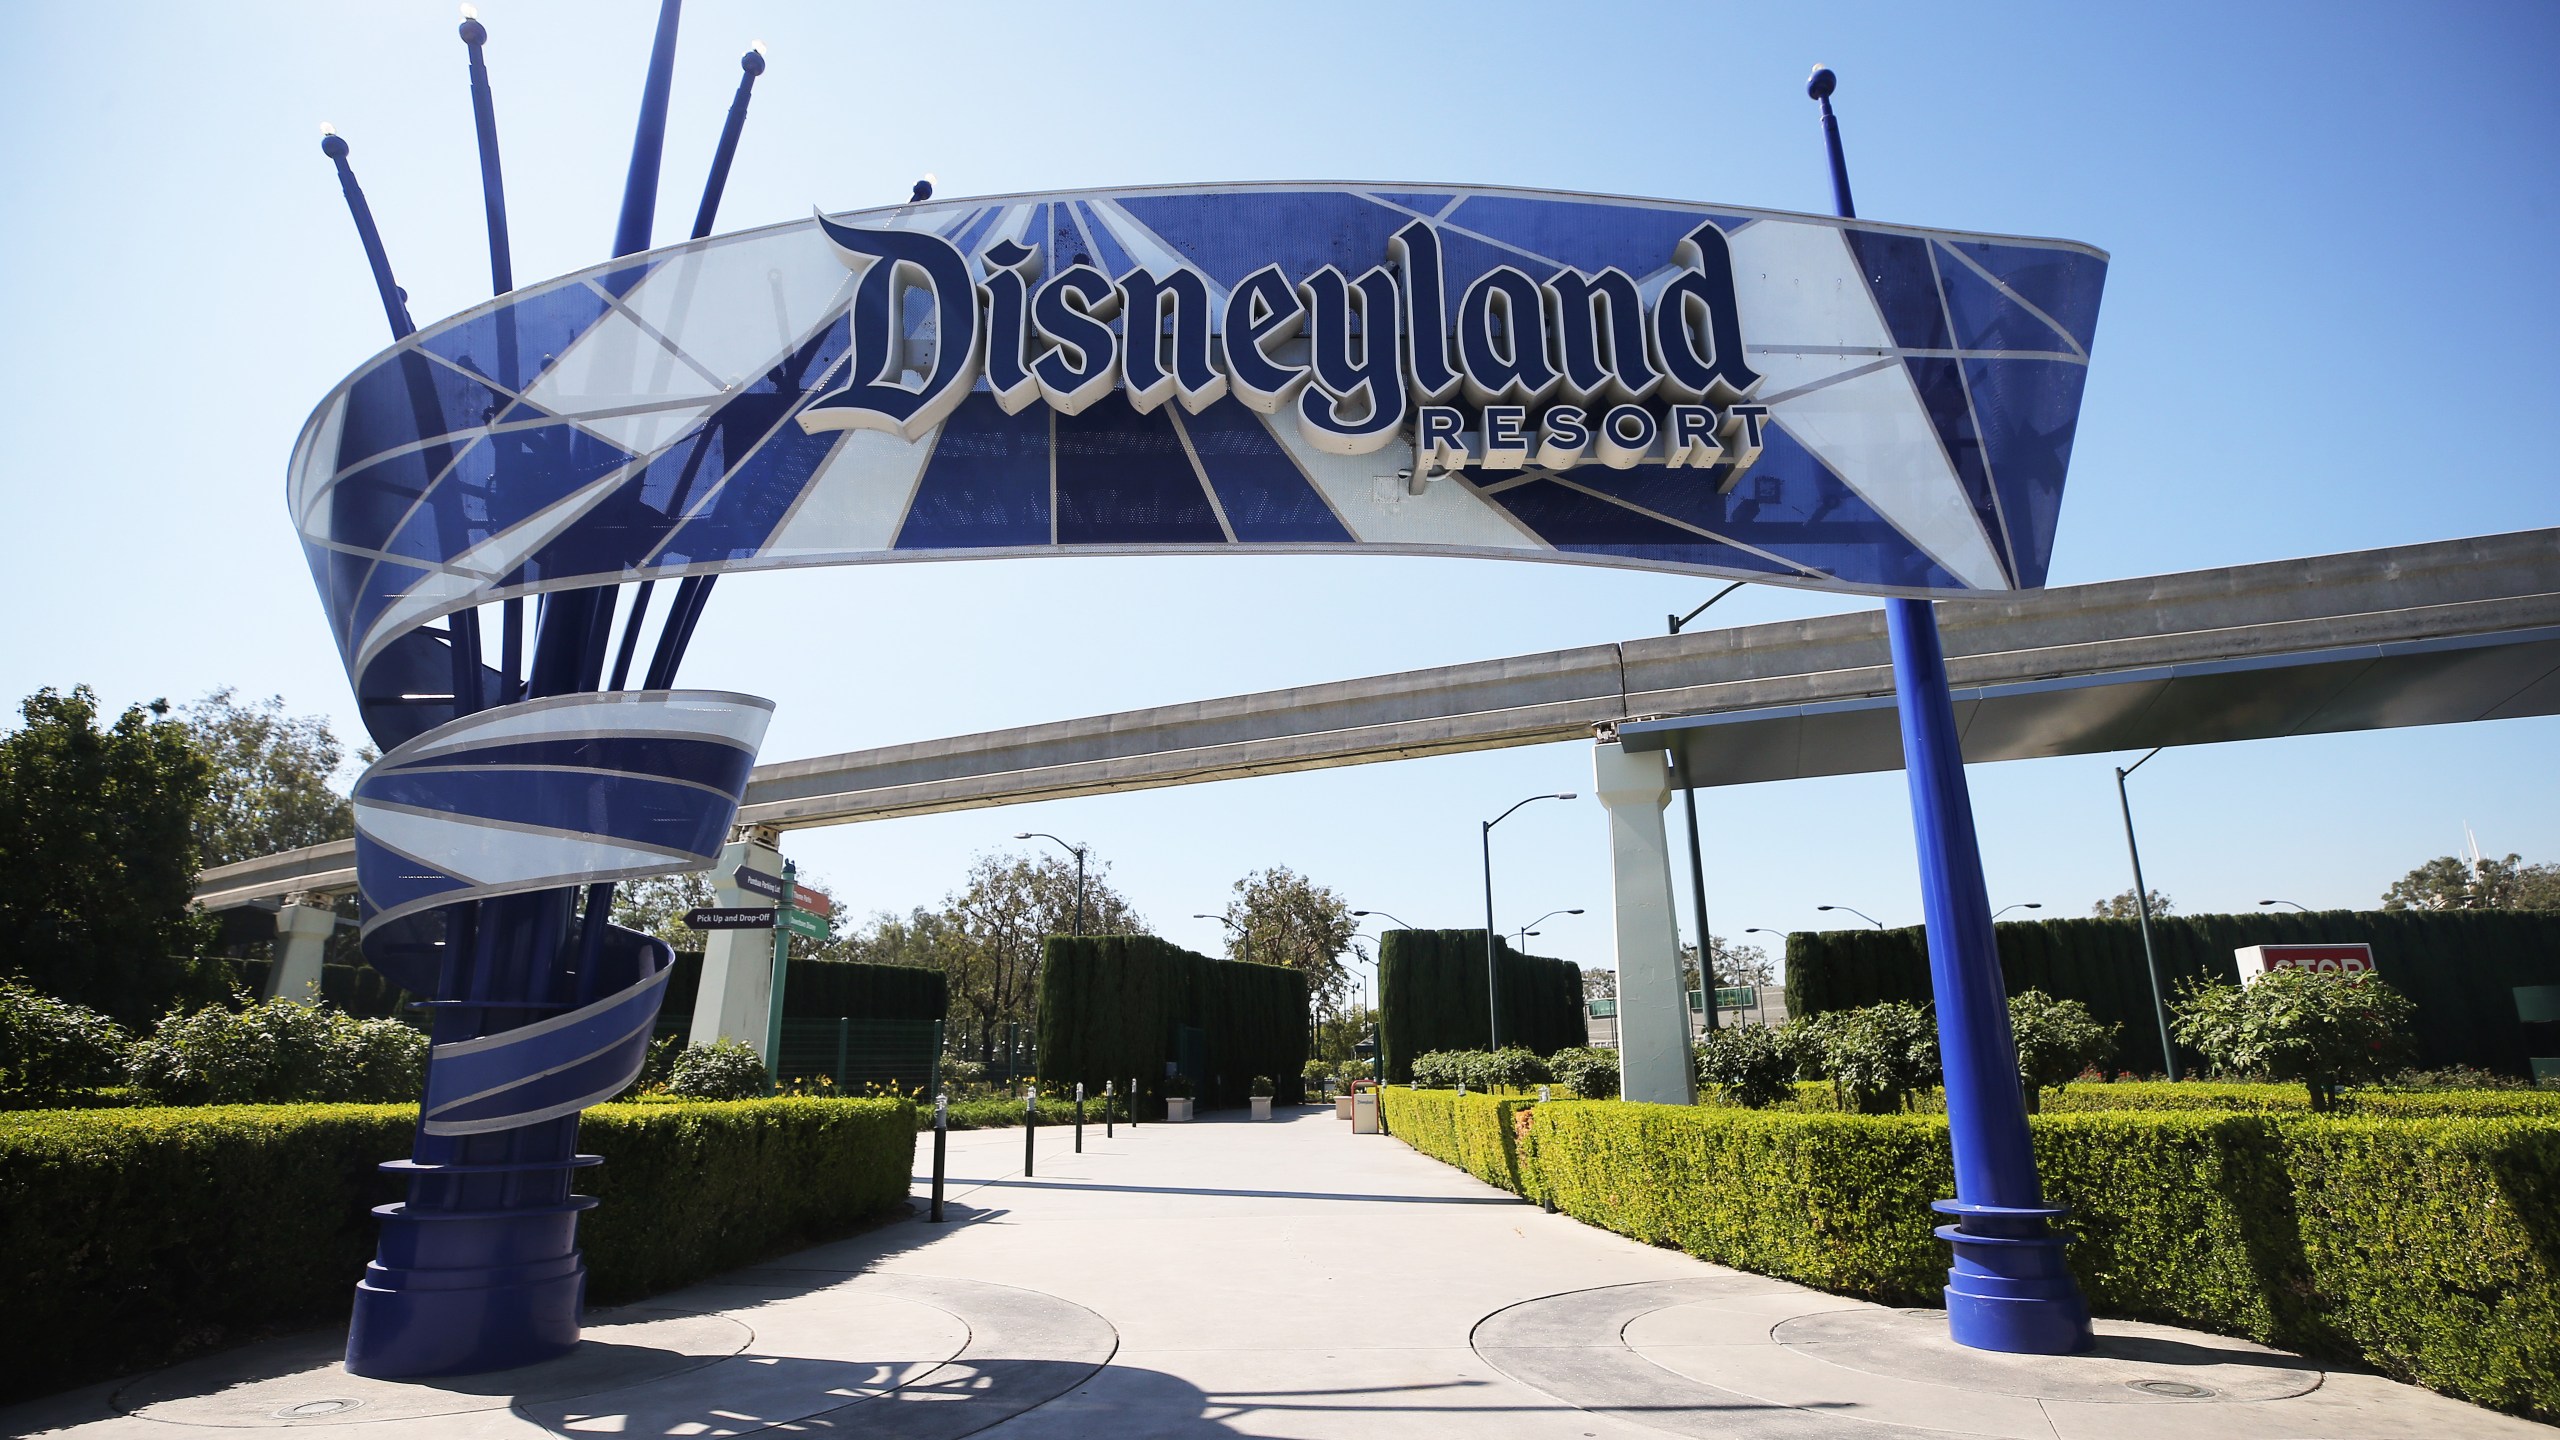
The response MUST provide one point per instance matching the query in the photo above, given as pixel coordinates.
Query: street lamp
(1364, 914)
(2296, 904)
(1492, 985)
(2142, 912)
(1531, 928)
(1244, 942)
(2021, 905)
(1075, 850)
(1861, 914)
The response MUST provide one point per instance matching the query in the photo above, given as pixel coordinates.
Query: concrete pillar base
(736, 997)
(1654, 1062)
(303, 928)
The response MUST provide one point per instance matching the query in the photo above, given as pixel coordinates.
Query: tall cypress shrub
(2459, 967)
(1112, 1008)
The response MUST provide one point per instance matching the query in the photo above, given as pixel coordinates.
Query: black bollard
(1079, 1117)
(1106, 1109)
(941, 1144)
(1030, 1126)
(1133, 1102)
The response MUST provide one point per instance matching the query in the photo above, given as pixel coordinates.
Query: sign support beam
(2008, 1289)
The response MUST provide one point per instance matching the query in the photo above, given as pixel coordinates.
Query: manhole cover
(314, 1409)
(2173, 1389)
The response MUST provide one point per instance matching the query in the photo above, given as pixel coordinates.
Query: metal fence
(859, 1054)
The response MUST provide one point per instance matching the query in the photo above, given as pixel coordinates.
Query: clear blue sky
(2327, 327)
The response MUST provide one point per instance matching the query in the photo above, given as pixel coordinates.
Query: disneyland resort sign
(1552, 371)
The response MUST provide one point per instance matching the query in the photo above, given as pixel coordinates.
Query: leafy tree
(989, 935)
(270, 787)
(50, 1047)
(97, 853)
(2450, 883)
(656, 905)
(1598, 984)
(1876, 1057)
(1747, 1064)
(2326, 1031)
(2057, 1039)
(2120, 906)
(1735, 964)
(1283, 918)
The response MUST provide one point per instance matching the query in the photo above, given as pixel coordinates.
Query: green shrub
(1315, 1076)
(132, 1237)
(276, 1052)
(1747, 1065)
(1260, 1089)
(1431, 996)
(1877, 1057)
(2327, 1031)
(688, 1191)
(1474, 1132)
(51, 1047)
(1590, 1072)
(959, 1074)
(721, 1070)
(2056, 1040)
(2433, 1250)
(2429, 1248)
(1510, 1067)
(1440, 1069)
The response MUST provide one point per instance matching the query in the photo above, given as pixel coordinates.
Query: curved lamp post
(2021, 905)
(1075, 850)
(1532, 927)
(1861, 914)
(1492, 983)
(2296, 904)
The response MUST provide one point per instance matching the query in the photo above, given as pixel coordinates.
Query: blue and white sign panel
(1418, 370)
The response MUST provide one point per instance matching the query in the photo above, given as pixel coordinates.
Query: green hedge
(826, 989)
(131, 1237)
(2460, 967)
(2243, 1096)
(1431, 997)
(2429, 1248)
(1114, 1007)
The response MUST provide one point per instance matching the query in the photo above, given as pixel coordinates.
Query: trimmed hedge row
(1431, 997)
(131, 1237)
(2254, 1097)
(825, 989)
(2460, 967)
(2429, 1248)
(1113, 1007)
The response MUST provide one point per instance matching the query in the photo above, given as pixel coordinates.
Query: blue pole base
(465, 1293)
(2009, 1289)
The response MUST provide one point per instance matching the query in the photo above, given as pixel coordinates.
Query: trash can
(1341, 1107)
(1364, 1113)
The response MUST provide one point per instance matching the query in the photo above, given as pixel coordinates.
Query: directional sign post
(803, 924)
(757, 882)
(783, 931)
(730, 917)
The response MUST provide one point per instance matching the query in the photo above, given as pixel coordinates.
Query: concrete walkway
(1281, 1279)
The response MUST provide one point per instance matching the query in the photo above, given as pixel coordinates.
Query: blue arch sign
(1402, 369)
(1497, 373)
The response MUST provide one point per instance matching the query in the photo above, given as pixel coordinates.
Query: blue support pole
(2008, 1289)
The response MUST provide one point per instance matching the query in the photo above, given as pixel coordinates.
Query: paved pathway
(1280, 1279)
